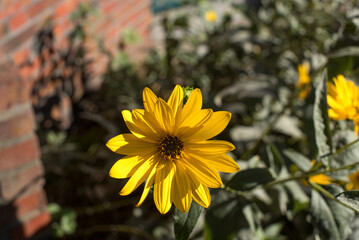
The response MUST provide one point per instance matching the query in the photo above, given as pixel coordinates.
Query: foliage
(245, 62)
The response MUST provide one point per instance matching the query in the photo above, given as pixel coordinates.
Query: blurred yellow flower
(353, 181)
(321, 179)
(168, 145)
(343, 99)
(303, 80)
(211, 16)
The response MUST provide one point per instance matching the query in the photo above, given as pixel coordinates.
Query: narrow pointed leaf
(298, 159)
(350, 198)
(185, 222)
(323, 217)
(321, 120)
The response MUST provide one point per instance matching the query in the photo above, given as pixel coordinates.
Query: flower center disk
(171, 147)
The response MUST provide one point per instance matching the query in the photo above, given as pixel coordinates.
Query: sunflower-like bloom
(303, 80)
(343, 99)
(168, 145)
(353, 181)
(210, 16)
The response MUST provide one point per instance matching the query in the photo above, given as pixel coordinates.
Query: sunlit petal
(129, 144)
(162, 186)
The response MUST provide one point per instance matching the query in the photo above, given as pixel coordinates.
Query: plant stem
(320, 189)
(291, 178)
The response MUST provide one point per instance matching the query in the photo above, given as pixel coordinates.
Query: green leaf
(226, 217)
(350, 198)
(339, 65)
(299, 159)
(250, 178)
(349, 154)
(346, 51)
(276, 160)
(343, 216)
(185, 222)
(323, 217)
(321, 120)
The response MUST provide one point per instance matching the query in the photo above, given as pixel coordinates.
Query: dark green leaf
(276, 160)
(339, 65)
(225, 217)
(350, 198)
(185, 222)
(343, 216)
(321, 120)
(346, 51)
(250, 178)
(299, 159)
(323, 217)
(349, 154)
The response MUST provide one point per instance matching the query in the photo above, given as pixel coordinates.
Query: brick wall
(35, 36)
(22, 198)
(37, 61)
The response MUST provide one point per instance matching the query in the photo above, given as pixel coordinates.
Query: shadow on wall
(18, 219)
(62, 78)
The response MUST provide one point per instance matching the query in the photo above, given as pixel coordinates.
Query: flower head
(210, 16)
(303, 80)
(353, 181)
(168, 145)
(343, 99)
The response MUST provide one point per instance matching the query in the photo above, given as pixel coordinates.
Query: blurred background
(69, 67)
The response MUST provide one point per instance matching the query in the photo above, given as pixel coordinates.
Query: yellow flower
(354, 181)
(211, 16)
(168, 145)
(303, 80)
(321, 179)
(343, 99)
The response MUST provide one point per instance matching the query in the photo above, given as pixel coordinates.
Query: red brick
(17, 126)
(20, 39)
(17, 21)
(65, 8)
(32, 226)
(37, 8)
(21, 180)
(19, 154)
(12, 89)
(29, 202)
(21, 56)
(133, 17)
(109, 8)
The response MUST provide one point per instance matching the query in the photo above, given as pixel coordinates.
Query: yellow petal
(193, 104)
(335, 115)
(211, 146)
(126, 166)
(194, 123)
(149, 99)
(222, 162)
(321, 179)
(139, 128)
(200, 193)
(139, 176)
(149, 119)
(129, 144)
(148, 185)
(181, 190)
(212, 127)
(164, 115)
(175, 101)
(205, 173)
(162, 186)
